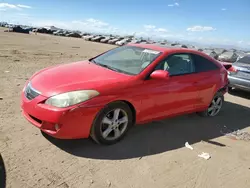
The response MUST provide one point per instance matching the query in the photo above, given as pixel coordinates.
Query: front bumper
(239, 83)
(63, 123)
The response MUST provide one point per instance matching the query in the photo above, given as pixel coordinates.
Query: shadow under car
(161, 136)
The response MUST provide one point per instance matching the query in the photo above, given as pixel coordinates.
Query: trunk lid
(243, 70)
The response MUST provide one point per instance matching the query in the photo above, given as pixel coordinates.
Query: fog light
(57, 127)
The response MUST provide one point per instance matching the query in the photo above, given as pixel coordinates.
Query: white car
(122, 42)
(88, 37)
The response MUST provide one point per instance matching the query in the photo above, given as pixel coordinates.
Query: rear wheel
(112, 123)
(214, 107)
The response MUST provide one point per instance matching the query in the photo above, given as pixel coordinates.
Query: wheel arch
(223, 89)
(130, 105)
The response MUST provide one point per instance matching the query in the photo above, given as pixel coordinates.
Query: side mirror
(160, 74)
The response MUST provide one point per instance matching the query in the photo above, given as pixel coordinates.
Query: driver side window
(177, 64)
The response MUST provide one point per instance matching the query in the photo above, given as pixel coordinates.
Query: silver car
(239, 74)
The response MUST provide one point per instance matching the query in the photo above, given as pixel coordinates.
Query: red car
(106, 95)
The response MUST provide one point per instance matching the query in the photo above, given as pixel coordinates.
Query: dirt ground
(151, 155)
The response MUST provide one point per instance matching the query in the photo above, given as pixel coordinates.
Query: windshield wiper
(109, 67)
(93, 61)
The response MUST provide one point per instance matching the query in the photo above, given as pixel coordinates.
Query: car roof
(173, 49)
(164, 48)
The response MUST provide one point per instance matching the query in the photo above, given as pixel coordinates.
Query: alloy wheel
(114, 124)
(215, 106)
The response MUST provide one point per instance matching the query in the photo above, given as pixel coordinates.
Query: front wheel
(214, 107)
(112, 123)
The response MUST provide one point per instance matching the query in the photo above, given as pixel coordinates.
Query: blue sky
(205, 21)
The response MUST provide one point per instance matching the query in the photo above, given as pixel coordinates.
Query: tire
(207, 112)
(99, 126)
(2, 173)
(230, 89)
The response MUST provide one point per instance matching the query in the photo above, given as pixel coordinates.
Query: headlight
(71, 98)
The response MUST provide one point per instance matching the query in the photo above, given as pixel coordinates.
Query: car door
(174, 96)
(208, 76)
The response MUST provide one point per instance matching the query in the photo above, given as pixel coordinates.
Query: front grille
(30, 92)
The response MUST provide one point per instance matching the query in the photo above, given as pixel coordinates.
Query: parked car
(229, 56)
(97, 38)
(44, 30)
(106, 95)
(19, 29)
(219, 51)
(65, 33)
(240, 54)
(59, 33)
(210, 53)
(239, 74)
(135, 41)
(106, 39)
(123, 42)
(113, 41)
(85, 34)
(89, 37)
(75, 35)
(181, 46)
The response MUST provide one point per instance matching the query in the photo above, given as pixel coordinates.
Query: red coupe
(106, 95)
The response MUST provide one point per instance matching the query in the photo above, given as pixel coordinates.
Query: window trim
(194, 54)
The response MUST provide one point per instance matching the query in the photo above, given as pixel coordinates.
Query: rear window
(203, 64)
(245, 60)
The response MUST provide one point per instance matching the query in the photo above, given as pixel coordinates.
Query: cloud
(91, 23)
(151, 29)
(86, 25)
(23, 15)
(200, 28)
(24, 6)
(161, 30)
(176, 4)
(5, 6)
(223, 9)
(148, 27)
(100, 26)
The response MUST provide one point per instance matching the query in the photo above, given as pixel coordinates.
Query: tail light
(232, 70)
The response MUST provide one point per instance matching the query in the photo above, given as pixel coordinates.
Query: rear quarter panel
(208, 84)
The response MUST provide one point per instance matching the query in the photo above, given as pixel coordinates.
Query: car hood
(76, 76)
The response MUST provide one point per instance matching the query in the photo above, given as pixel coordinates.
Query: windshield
(127, 59)
(245, 60)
